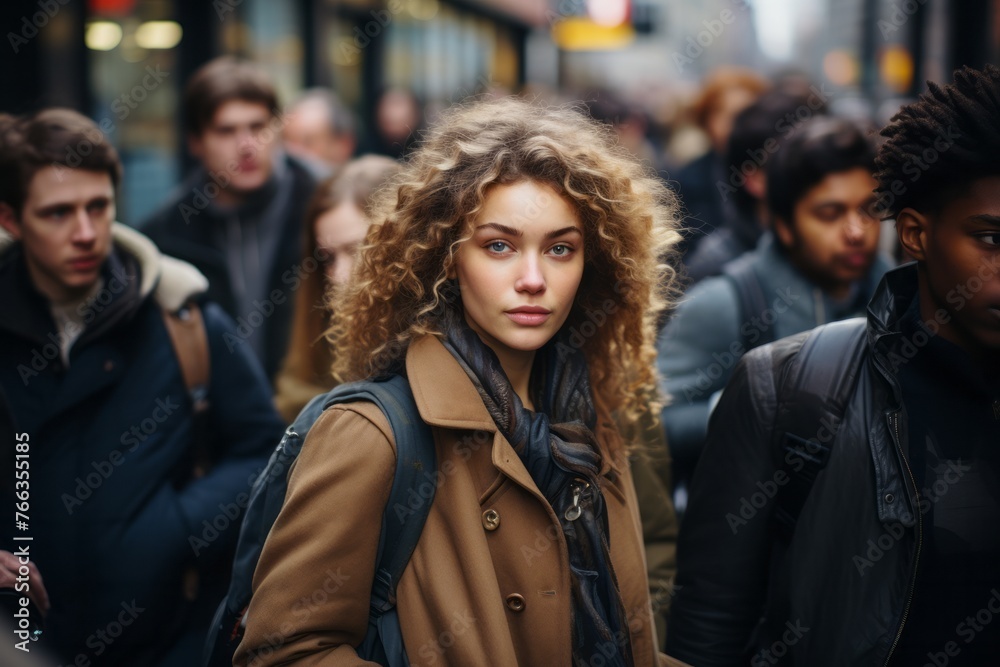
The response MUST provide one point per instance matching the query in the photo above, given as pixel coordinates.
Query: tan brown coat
(488, 583)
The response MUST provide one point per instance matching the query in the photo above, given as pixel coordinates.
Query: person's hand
(9, 573)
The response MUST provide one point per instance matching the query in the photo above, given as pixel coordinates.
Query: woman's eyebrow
(503, 229)
(564, 230)
(510, 231)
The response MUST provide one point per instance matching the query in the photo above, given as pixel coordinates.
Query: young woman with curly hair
(514, 274)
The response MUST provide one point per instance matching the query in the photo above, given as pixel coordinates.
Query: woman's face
(520, 271)
(339, 232)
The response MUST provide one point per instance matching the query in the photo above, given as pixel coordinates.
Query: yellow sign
(576, 33)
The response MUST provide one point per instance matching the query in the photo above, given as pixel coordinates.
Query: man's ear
(783, 231)
(9, 222)
(913, 231)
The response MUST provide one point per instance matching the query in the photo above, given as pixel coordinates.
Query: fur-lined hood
(172, 281)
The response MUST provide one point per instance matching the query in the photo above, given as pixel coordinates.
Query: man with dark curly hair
(842, 512)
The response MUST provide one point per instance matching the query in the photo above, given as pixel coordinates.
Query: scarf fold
(556, 443)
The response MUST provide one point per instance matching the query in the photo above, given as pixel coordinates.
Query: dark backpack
(752, 302)
(812, 397)
(415, 460)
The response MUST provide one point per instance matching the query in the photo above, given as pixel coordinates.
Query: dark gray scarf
(557, 446)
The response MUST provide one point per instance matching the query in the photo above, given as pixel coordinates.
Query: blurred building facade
(876, 54)
(124, 62)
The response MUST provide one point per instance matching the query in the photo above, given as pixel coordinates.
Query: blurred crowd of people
(152, 366)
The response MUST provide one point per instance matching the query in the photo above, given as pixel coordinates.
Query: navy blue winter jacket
(119, 525)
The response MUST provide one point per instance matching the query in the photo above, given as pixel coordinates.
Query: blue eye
(497, 246)
(561, 250)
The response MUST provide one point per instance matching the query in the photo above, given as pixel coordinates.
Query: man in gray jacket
(818, 264)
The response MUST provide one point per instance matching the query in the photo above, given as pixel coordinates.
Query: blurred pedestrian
(238, 217)
(518, 258)
(725, 92)
(132, 476)
(399, 117)
(842, 512)
(336, 224)
(628, 121)
(319, 127)
(819, 265)
(758, 133)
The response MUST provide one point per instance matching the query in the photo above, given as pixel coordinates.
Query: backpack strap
(811, 399)
(416, 464)
(403, 519)
(751, 298)
(189, 339)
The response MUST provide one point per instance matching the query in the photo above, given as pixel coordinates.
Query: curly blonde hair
(630, 226)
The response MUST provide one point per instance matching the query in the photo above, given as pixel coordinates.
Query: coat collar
(444, 394)
(446, 397)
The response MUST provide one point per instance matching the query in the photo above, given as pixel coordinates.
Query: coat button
(515, 602)
(491, 520)
(889, 498)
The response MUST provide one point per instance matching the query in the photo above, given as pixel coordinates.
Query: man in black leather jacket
(894, 558)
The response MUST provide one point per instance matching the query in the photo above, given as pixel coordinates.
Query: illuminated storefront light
(103, 35)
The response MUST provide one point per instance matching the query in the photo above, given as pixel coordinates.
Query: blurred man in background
(758, 133)
(238, 217)
(320, 128)
(725, 93)
(818, 264)
(398, 119)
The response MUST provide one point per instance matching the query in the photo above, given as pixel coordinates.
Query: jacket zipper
(920, 539)
(577, 487)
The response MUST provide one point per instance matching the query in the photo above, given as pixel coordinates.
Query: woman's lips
(530, 317)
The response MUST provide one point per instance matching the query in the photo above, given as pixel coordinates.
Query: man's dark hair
(934, 146)
(223, 80)
(772, 116)
(59, 138)
(819, 147)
